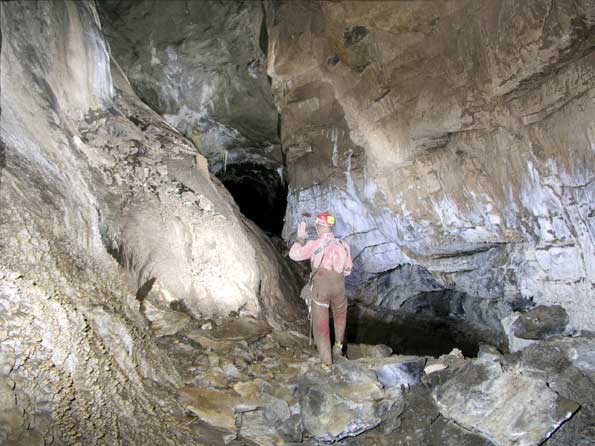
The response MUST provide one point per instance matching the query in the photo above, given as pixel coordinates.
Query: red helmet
(325, 219)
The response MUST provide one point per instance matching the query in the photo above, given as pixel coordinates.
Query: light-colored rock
(489, 353)
(345, 402)
(453, 143)
(435, 367)
(231, 371)
(456, 138)
(257, 428)
(515, 344)
(250, 390)
(506, 406)
(397, 371)
(204, 70)
(291, 339)
(165, 322)
(357, 351)
(230, 333)
(215, 407)
(217, 378)
(93, 183)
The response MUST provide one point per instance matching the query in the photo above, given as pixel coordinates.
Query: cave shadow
(410, 334)
(260, 193)
(145, 289)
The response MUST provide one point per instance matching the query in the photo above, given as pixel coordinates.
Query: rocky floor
(246, 384)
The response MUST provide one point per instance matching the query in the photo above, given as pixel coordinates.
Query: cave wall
(99, 196)
(202, 65)
(458, 139)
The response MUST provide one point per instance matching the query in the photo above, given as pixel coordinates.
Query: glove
(301, 231)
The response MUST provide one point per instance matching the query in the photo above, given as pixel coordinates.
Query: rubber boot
(337, 352)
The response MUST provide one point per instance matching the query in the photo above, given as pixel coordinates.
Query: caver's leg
(321, 330)
(321, 294)
(339, 306)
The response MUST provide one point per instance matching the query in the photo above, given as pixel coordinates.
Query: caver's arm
(299, 251)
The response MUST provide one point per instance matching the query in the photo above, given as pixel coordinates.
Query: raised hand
(301, 231)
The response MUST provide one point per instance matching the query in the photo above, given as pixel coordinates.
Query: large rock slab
(568, 366)
(504, 405)
(345, 402)
(396, 370)
(273, 422)
(215, 407)
(420, 424)
(230, 333)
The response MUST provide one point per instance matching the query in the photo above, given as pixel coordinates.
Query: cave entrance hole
(417, 334)
(260, 192)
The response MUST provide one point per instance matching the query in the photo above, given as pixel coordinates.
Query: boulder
(401, 372)
(568, 366)
(230, 333)
(271, 421)
(345, 402)
(218, 408)
(507, 406)
(357, 351)
(541, 322)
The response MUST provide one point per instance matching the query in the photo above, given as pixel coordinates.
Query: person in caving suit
(330, 259)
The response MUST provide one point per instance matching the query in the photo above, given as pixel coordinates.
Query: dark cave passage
(260, 192)
(420, 334)
(410, 335)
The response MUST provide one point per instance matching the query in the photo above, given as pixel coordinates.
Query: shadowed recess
(260, 192)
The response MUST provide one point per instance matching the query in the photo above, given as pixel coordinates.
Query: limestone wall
(458, 137)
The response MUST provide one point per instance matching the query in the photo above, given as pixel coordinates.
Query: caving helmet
(325, 219)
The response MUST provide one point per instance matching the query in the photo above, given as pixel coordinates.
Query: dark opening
(263, 38)
(418, 334)
(260, 193)
(410, 335)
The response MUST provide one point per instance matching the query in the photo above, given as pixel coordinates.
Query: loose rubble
(268, 387)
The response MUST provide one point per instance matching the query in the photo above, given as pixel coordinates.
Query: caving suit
(330, 259)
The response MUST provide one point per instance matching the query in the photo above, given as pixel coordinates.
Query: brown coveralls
(331, 261)
(328, 290)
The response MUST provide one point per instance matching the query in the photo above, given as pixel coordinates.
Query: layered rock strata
(458, 138)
